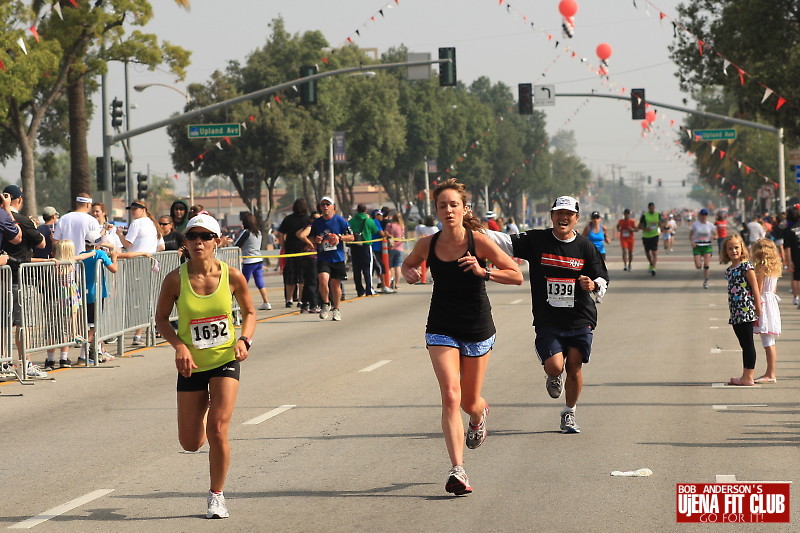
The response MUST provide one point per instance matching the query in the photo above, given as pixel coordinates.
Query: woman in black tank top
(460, 331)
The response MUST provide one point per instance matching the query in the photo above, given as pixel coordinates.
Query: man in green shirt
(361, 254)
(650, 224)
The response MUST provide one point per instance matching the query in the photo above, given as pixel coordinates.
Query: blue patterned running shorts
(467, 349)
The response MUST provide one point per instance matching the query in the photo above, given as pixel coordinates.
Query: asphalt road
(337, 424)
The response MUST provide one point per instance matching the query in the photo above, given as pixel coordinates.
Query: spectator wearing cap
(491, 221)
(142, 236)
(75, 225)
(20, 253)
(702, 235)
(50, 217)
(329, 232)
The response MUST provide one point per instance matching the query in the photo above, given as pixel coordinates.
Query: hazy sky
(491, 39)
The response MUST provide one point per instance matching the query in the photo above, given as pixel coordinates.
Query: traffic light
(308, 89)
(683, 183)
(525, 99)
(649, 180)
(116, 113)
(250, 186)
(659, 182)
(118, 177)
(637, 104)
(141, 186)
(100, 172)
(447, 71)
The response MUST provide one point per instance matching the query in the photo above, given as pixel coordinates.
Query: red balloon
(650, 116)
(604, 51)
(645, 125)
(568, 8)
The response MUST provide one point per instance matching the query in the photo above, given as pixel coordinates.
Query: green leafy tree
(761, 38)
(62, 64)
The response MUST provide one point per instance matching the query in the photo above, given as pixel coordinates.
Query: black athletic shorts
(336, 270)
(650, 243)
(199, 380)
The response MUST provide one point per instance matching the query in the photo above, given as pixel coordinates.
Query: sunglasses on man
(204, 235)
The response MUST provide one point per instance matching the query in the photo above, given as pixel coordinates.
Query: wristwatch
(488, 275)
(246, 341)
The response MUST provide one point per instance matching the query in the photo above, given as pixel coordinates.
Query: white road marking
(720, 350)
(735, 386)
(713, 318)
(379, 364)
(713, 327)
(726, 478)
(270, 414)
(515, 302)
(725, 407)
(712, 305)
(61, 509)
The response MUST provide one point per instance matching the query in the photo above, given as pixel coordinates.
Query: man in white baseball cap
(566, 273)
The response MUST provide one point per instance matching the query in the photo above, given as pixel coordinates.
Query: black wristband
(488, 275)
(246, 341)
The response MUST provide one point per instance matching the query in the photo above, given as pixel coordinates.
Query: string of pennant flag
(703, 47)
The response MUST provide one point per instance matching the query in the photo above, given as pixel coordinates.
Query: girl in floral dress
(744, 302)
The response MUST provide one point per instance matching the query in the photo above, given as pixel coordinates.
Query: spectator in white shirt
(74, 226)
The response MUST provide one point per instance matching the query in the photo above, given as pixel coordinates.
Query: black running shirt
(459, 305)
(558, 299)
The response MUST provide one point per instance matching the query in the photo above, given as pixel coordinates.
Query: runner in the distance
(566, 271)
(207, 352)
(702, 236)
(626, 226)
(650, 224)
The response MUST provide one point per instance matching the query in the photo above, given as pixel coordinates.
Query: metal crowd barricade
(138, 305)
(6, 327)
(53, 314)
(167, 262)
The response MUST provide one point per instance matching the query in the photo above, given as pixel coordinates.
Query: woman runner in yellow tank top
(207, 351)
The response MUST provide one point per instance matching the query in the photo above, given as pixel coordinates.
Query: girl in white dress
(768, 267)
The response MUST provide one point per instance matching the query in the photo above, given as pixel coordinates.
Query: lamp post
(141, 87)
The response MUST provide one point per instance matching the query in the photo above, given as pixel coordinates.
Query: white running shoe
(137, 340)
(323, 312)
(336, 314)
(34, 371)
(216, 506)
(266, 306)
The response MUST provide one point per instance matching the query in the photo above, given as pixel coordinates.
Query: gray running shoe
(216, 506)
(336, 314)
(705, 284)
(477, 434)
(324, 310)
(555, 386)
(457, 481)
(568, 424)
